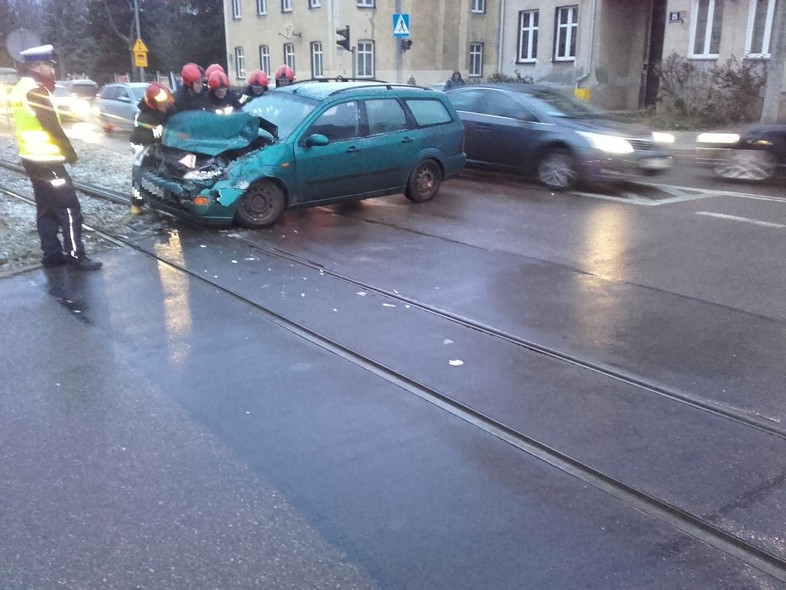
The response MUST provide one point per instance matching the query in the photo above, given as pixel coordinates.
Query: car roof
(320, 90)
(512, 87)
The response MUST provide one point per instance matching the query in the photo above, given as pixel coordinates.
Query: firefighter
(213, 68)
(257, 85)
(219, 97)
(45, 149)
(190, 96)
(154, 109)
(284, 76)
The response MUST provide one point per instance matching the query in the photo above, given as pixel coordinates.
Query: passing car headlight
(661, 137)
(608, 143)
(717, 138)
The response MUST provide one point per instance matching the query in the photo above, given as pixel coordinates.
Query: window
(316, 60)
(385, 115)
(314, 3)
(236, 9)
(365, 57)
(261, 8)
(475, 59)
(705, 34)
(264, 58)
(565, 38)
(757, 41)
(289, 55)
(240, 63)
(339, 122)
(428, 112)
(478, 6)
(286, 5)
(528, 35)
(365, 3)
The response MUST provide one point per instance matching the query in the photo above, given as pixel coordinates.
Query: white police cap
(42, 53)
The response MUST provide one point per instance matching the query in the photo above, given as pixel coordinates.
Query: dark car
(306, 144)
(755, 152)
(560, 140)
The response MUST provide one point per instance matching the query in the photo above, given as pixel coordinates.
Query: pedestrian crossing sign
(401, 25)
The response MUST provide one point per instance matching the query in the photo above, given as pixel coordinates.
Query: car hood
(608, 127)
(211, 134)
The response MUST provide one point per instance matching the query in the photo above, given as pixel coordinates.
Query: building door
(655, 53)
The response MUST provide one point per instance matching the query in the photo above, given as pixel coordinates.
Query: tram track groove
(695, 526)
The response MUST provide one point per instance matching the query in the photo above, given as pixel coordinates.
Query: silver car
(115, 105)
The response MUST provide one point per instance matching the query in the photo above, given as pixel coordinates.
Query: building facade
(605, 50)
(445, 35)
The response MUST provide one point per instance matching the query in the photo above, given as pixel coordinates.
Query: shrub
(710, 97)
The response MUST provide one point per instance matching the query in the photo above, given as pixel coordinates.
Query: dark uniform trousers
(57, 208)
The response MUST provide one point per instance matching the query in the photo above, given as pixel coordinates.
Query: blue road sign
(401, 25)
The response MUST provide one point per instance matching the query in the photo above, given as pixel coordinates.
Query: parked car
(74, 98)
(556, 138)
(115, 105)
(310, 143)
(755, 152)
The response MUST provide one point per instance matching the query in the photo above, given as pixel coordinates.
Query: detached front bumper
(191, 202)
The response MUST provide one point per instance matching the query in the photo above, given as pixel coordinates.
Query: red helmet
(156, 94)
(217, 80)
(213, 68)
(191, 73)
(284, 76)
(258, 78)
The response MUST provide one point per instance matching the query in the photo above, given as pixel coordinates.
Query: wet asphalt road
(227, 417)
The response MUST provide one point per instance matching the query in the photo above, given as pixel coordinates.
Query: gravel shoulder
(97, 165)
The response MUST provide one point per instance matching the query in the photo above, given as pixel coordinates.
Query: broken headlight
(211, 170)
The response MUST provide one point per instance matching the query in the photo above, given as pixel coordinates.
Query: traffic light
(406, 44)
(345, 41)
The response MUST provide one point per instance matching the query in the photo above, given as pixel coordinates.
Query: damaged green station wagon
(310, 143)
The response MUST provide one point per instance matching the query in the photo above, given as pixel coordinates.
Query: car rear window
(84, 90)
(428, 111)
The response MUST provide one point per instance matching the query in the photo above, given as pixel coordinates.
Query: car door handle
(352, 149)
(407, 139)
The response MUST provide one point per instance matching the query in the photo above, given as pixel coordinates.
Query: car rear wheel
(558, 169)
(261, 205)
(755, 165)
(424, 181)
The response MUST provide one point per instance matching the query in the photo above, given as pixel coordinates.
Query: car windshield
(60, 90)
(286, 111)
(561, 105)
(84, 90)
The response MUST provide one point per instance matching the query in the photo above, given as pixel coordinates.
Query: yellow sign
(140, 47)
(582, 93)
(140, 59)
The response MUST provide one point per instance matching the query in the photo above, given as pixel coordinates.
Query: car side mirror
(317, 139)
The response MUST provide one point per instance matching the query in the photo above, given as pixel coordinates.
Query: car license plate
(655, 163)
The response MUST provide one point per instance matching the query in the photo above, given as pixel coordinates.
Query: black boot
(84, 263)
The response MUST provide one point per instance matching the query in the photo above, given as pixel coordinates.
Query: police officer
(44, 149)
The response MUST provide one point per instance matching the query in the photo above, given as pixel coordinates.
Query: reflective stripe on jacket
(34, 141)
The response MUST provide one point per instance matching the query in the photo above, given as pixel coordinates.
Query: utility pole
(138, 36)
(772, 87)
(399, 53)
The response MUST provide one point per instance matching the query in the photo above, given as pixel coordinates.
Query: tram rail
(694, 525)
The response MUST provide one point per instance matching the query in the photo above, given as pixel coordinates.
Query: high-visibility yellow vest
(34, 141)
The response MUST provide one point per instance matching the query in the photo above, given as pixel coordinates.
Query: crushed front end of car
(202, 164)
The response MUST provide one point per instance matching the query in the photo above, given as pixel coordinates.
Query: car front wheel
(754, 165)
(261, 205)
(424, 181)
(558, 169)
